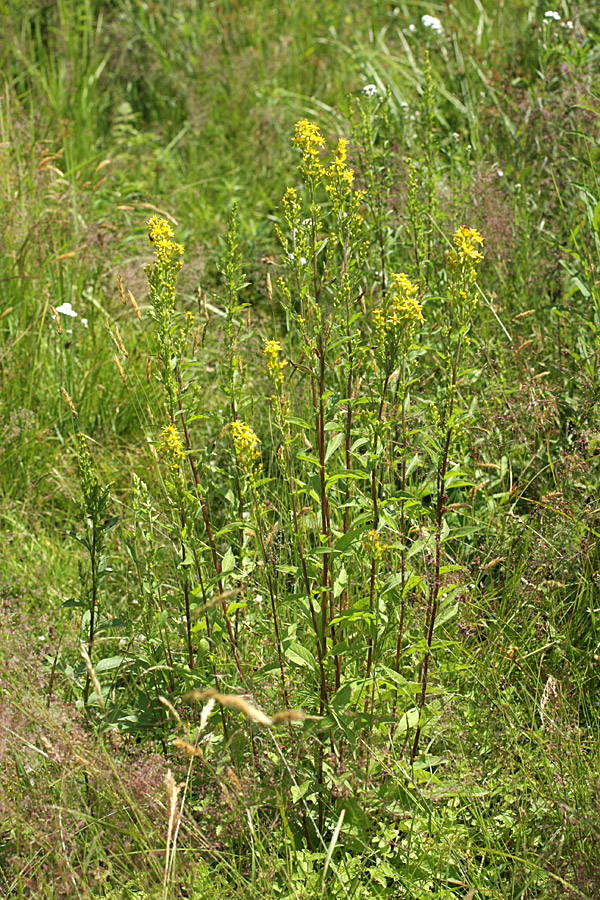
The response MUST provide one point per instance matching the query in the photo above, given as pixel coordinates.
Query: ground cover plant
(299, 566)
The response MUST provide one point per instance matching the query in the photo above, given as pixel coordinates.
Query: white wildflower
(433, 22)
(65, 309)
(84, 322)
(552, 14)
(370, 90)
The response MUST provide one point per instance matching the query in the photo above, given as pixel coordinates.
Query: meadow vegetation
(299, 450)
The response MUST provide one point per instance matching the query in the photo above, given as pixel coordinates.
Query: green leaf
(333, 445)
(349, 474)
(111, 662)
(340, 583)
(347, 539)
(300, 656)
(342, 697)
(463, 531)
(72, 603)
(445, 615)
(110, 523)
(596, 218)
(228, 563)
(408, 721)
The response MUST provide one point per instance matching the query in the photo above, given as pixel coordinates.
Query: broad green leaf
(111, 662)
(333, 445)
(228, 563)
(300, 656)
(348, 539)
(407, 722)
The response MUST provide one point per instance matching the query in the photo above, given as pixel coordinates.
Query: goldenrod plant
(307, 605)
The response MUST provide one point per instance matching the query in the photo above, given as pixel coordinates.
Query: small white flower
(552, 14)
(500, 173)
(455, 136)
(84, 322)
(403, 104)
(65, 309)
(258, 598)
(568, 25)
(412, 28)
(432, 22)
(370, 90)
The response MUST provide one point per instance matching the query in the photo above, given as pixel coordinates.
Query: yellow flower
(374, 545)
(275, 366)
(339, 168)
(404, 309)
(308, 137)
(160, 235)
(466, 241)
(404, 303)
(171, 446)
(245, 442)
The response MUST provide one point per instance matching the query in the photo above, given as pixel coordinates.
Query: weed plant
(298, 411)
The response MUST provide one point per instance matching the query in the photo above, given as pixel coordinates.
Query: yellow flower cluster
(374, 545)
(308, 137)
(171, 446)
(160, 235)
(404, 309)
(275, 365)
(245, 442)
(339, 169)
(462, 264)
(466, 241)
(291, 204)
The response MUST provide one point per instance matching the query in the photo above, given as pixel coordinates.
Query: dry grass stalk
(170, 707)
(121, 290)
(190, 749)
(133, 302)
(193, 749)
(204, 715)
(120, 343)
(234, 701)
(117, 339)
(68, 401)
(93, 678)
(57, 320)
(121, 372)
(235, 781)
(172, 795)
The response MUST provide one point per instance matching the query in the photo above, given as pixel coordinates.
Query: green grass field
(299, 450)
